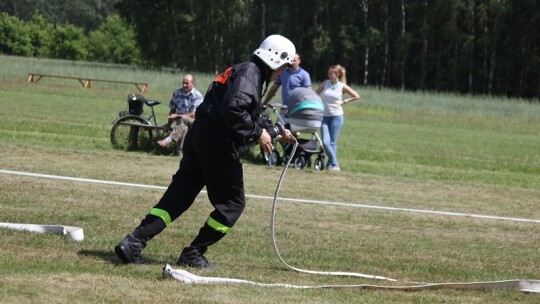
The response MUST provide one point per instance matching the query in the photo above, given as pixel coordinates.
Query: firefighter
(228, 122)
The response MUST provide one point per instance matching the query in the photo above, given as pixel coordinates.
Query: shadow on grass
(253, 156)
(110, 256)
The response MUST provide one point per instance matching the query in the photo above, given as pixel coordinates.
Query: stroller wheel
(300, 162)
(319, 164)
(273, 159)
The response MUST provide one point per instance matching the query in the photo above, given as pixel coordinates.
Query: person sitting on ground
(183, 103)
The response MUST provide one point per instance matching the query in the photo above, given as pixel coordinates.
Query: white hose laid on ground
(521, 285)
(189, 278)
(74, 233)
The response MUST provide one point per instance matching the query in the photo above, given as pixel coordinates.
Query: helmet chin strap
(265, 89)
(266, 81)
(269, 76)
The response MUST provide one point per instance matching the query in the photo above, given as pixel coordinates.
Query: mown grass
(411, 150)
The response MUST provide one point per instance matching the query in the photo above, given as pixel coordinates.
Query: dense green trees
(86, 14)
(14, 36)
(469, 46)
(113, 41)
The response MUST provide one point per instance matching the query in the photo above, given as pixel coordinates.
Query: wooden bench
(87, 82)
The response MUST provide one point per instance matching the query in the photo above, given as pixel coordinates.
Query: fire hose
(185, 276)
(74, 233)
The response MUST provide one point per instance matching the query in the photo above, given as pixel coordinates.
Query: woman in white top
(331, 92)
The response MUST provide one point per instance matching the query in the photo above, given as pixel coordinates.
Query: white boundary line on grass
(492, 217)
(189, 278)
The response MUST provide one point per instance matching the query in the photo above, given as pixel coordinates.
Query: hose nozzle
(276, 130)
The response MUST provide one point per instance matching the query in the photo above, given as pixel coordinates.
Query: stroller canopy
(305, 109)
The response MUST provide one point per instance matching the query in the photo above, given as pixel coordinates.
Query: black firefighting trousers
(209, 159)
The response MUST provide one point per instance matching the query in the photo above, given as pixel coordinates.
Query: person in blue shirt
(183, 104)
(292, 78)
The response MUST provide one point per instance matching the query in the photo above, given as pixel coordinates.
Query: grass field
(439, 152)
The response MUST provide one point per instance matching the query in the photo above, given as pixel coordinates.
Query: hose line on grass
(189, 278)
(273, 234)
(74, 233)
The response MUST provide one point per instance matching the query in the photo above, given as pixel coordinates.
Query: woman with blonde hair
(331, 92)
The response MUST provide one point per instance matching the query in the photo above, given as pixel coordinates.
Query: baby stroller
(303, 115)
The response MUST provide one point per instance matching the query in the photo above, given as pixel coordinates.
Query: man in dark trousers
(228, 122)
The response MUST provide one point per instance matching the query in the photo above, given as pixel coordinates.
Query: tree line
(113, 41)
(468, 46)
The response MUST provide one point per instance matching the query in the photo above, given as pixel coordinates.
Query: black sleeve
(240, 109)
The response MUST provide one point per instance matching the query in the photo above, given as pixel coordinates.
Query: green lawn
(438, 152)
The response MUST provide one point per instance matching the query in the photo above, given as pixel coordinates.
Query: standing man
(291, 79)
(183, 103)
(228, 121)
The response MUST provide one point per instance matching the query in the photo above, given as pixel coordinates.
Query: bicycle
(132, 131)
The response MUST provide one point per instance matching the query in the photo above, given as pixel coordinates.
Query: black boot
(129, 249)
(193, 257)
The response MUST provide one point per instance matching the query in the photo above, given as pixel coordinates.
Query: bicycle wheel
(129, 134)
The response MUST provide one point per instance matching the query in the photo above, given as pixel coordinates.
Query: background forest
(468, 46)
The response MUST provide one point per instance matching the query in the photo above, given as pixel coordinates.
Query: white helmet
(276, 51)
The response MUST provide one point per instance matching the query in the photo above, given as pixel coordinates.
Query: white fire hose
(74, 233)
(190, 278)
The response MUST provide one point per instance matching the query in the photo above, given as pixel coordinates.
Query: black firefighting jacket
(232, 102)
